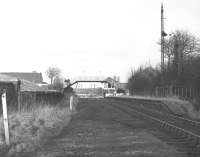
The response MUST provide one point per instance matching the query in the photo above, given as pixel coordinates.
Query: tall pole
(162, 39)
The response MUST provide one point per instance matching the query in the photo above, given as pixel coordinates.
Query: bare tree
(184, 44)
(168, 45)
(187, 43)
(58, 83)
(52, 73)
(179, 46)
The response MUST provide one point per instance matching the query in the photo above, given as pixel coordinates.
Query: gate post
(71, 103)
(5, 118)
(18, 95)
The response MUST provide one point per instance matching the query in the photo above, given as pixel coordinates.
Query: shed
(34, 77)
(10, 84)
(23, 93)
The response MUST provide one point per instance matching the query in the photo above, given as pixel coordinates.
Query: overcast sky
(88, 37)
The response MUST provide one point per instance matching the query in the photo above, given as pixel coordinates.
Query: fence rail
(185, 92)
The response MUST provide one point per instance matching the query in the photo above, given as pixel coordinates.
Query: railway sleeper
(186, 142)
(180, 140)
(185, 137)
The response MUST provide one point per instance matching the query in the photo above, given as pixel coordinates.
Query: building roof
(88, 78)
(30, 86)
(29, 76)
(111, 80)
(26, 86)
(6, 78)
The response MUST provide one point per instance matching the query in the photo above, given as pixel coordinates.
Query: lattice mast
(163, 34)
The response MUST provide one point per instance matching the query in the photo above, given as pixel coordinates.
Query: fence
(11, 98)
(16, 100)
(184, 92)
(30, 99)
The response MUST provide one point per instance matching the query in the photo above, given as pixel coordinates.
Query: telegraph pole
(162, 39)
(163, 34)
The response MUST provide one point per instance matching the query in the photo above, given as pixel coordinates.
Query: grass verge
(176, 105)
(30, 129)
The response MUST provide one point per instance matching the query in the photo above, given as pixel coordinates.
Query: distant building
(21, 92)
(97, 86)
(34, 77)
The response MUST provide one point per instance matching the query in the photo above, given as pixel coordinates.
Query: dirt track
(101, 130)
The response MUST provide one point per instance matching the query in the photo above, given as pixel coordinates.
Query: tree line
(181, 68)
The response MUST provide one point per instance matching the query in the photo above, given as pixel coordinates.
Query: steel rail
(194, 125)
(178, 131)
(169, 114)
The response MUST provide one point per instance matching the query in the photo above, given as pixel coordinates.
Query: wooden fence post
(164, 91)
(171, 90)
(190, 92)
(186, 92)
(18, 95)
(156, 92)
(71, 103)
(175, 91)
(178, 91)
(5, 118)
(182, 92)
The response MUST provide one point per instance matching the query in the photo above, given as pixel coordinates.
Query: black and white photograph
(99, 78)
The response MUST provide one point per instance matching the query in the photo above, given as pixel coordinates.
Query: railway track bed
(101, 128)
(183, 133)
